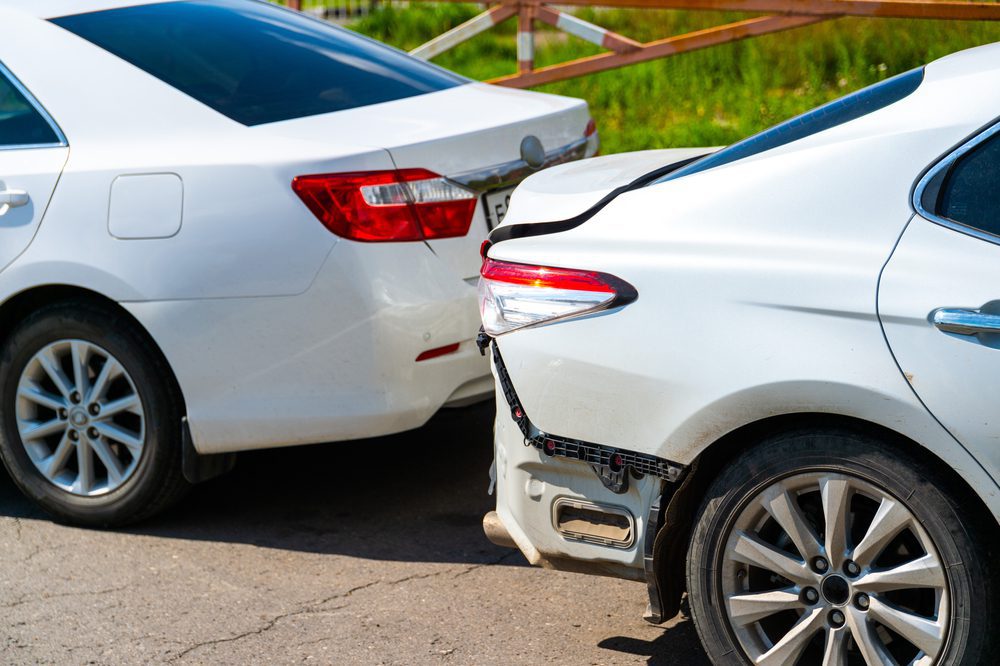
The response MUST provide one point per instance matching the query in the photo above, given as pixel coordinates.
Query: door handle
(12, 199)
(965, 322)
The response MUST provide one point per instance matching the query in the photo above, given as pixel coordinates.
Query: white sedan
(769, 376)
(226, 226)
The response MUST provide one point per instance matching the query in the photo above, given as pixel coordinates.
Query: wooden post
(525, 37)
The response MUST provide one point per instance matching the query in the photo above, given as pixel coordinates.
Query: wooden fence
(337, 10)
(776, 15)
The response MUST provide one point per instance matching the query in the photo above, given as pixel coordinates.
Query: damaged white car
(768, 376)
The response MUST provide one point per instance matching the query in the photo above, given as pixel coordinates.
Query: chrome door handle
(965, 322)
(12, 199)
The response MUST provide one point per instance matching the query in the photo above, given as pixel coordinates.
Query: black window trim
(18, 86)
(940, 171)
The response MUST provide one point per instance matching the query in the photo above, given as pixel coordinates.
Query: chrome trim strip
(937, 169)
(511, 173)
(9, 75)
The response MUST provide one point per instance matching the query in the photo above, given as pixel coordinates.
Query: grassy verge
(710, 97)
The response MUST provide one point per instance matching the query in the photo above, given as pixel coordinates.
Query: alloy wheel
(824, 567)
(80, 417)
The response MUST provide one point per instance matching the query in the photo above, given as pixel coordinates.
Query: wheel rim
(872, 589)
(80, 417)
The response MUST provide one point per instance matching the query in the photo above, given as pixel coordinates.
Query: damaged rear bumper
(539, 474)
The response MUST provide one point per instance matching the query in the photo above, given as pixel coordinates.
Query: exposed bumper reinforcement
(609, 459)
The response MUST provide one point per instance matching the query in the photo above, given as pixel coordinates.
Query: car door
(32, 154)
(939, 296)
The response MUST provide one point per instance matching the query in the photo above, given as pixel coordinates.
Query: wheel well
(19, 306)
(682, 503)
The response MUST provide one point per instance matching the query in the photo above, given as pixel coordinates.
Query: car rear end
(336, 192)
(456, 158)
(557, 303)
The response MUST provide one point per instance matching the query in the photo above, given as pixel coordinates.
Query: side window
(20, 122)
(970, 192)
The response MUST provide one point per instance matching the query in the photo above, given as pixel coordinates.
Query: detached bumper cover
(611, 464)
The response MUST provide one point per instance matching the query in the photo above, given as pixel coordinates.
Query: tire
(140, 425)
(773, 494)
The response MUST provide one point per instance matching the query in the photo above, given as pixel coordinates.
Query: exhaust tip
(496, 532)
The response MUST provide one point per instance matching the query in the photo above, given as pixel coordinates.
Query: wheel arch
(681, 503)
(23, 303)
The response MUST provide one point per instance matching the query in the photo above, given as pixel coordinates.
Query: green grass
(709, 97)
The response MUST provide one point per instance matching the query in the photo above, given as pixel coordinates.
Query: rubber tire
(158, 480)
(965, 539)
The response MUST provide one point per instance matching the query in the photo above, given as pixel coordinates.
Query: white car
(225, 226)
(769, 376)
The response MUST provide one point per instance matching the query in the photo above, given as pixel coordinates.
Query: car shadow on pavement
(416, 496)
(674, 647)
(413, 497)
(678, 644)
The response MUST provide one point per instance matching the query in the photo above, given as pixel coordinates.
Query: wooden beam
(463, 32)
(594, 34)
(691, 41)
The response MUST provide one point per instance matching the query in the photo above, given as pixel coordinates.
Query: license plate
(496, 203)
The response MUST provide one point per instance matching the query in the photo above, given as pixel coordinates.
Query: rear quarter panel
(243, 231)
(757, 296)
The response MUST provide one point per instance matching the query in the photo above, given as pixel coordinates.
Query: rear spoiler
(513, 231)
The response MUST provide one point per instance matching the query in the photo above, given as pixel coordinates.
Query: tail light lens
(397, 205)
(513, 296)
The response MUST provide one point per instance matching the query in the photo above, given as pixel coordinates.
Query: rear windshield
(837, 112)
(255, 62)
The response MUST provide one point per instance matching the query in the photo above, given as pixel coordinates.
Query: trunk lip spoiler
(504, 233)
(511, 173)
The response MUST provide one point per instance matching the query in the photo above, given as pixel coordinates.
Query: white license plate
(496, 203)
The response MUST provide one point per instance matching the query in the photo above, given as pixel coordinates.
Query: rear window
(255, 62)
(21, 124)
(857, 104)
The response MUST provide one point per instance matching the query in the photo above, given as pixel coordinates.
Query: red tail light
(591, 128)
(546, 277)
(379, 206)
(513, 296)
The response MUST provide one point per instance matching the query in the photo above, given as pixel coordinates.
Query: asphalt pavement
(367, 552)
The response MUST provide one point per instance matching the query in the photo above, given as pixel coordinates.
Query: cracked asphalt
(366, 552)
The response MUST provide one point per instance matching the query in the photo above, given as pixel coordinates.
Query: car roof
(52, 8)
(970, 61)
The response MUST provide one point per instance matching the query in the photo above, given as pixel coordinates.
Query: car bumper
(336, 362)
(531, 486)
